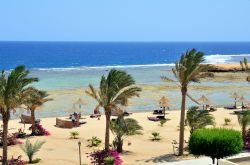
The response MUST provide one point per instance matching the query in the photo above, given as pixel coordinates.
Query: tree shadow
(162, 159)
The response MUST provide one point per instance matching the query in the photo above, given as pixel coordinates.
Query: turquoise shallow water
(67, 86)
(66, 68)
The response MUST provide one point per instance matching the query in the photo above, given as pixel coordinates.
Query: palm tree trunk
(108, 115)
(243, 132)
(5, 136)
(182, 120)
(33, 126)
(119, 145)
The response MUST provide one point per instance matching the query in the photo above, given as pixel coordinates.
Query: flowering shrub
(247, 140)
(13, 161)
(11, 140)
(40, 131)
(99, 157)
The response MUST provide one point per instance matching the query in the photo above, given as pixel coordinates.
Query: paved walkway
(202, 161)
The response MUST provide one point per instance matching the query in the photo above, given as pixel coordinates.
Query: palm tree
(34, 99)
(245, 68)
(122, 128)
(115, 89)
(198, 119)
(31, 149)
(11, 91)
(244, 121)
(187, 70)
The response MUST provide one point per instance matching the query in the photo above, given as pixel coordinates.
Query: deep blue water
(77, 54)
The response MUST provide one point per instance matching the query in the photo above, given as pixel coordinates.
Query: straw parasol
(164, 102)
(80, 102)
(243, 100)
(74, 109)
(235, 96)
(204, 101)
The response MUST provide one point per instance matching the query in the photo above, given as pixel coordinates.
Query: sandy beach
(60, 149)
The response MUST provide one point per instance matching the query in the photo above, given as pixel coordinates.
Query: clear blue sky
(125, 20)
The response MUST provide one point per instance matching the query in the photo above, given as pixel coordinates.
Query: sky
(125, 20)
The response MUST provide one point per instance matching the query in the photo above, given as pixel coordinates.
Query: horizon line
(112, 41)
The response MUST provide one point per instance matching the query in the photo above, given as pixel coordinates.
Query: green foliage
(155, 136)
(12, 87)
(245, 68)
(110, 160)
(215, 142)
(227, 121)
(188, 69)
(122, 128)
(31, 149)
(74, 134)
(244, 121)
(162, 122)
(35, 98)
(198, 119)
(244, 64)
(114, 90)
(37, 160)
(94, 141)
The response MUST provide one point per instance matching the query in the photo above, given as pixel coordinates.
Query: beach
(60, 149)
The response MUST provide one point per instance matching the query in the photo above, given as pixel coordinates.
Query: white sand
(59, 149)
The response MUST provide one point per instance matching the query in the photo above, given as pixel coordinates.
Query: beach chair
(230, 107)
(161, 117)
(95, 115)
(212, 109)
(157, 112)
(26, 119)
(127, 113)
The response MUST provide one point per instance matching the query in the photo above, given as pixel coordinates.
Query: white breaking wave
(209, 59)
(102, 67)
(223, 59)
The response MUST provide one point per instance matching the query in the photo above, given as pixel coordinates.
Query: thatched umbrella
(80, 102)
(204, 101)
(235, 96)
(74, 109)
(164, 102)
(243, 100)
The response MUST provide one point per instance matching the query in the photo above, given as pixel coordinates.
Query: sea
(74, 65)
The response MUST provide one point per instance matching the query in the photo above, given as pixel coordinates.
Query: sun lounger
(127, 113)
(156, 112)
(212, 109)
(161, 117)
(27, 119)
(230, 107)
(239, 112)
(153, 119)
(95, 115)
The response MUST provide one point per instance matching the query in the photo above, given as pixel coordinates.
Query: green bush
(110, 160)
(227, 121)
(74, 135)
(155, 136)
(215, 142)
(162, 122)
(94, 141)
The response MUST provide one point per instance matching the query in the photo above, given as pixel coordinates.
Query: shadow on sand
(161, 159)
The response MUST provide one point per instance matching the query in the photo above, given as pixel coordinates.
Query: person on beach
(73, 119)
